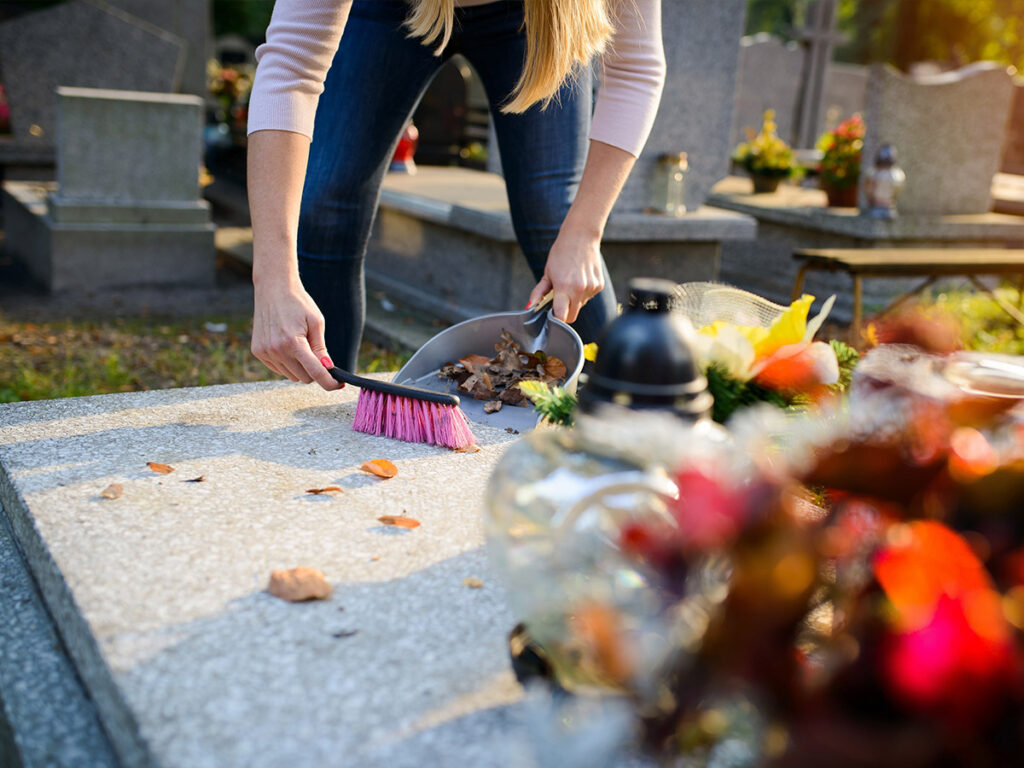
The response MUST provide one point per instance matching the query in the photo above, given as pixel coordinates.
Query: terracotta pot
(764, 184)
(841, 197)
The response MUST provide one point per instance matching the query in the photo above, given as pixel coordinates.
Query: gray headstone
(948, 131)
(846, 88)
(188, 20)
(702, 52)
(83, 43)
(769, 78)
(1013, 148)
(126, 146)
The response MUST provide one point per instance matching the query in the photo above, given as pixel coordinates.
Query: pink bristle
(411, 420)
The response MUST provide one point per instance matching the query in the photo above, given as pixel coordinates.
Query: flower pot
(841, 197)
(763, 184)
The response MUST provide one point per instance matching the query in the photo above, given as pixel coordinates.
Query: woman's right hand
(288, 334)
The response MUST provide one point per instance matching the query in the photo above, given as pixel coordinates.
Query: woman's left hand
(573, 271)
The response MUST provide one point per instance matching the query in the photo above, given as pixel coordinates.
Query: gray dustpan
(533, 329)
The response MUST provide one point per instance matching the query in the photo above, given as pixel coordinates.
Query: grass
(985, 326)
(40, 361)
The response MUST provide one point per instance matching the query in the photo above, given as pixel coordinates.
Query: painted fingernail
(325, 361)
(528, 305)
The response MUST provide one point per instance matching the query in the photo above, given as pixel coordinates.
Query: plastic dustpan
(535, 329)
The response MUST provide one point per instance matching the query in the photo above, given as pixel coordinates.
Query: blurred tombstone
(108, 48)
(126, 208)
(702, 56)
(819, 37)
(769, 77)
(948, 131)
(190, 21)
(1013, 149)
(846, 87)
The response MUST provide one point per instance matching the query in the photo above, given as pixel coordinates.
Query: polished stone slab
(159, 594)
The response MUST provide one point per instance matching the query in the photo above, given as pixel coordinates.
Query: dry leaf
(554, 367)
(113, 491)
(474, 448)
(328, 489)
(472, 360)
(299, 584)
(163, 469)
(199, 479)
(379, 467)
(399, 521)
(492, 406)
(472, 582)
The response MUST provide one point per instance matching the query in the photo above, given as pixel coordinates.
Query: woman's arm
(633, 75)
(287, 327)
(573, 267)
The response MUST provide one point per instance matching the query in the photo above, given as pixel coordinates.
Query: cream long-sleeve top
(303, 36)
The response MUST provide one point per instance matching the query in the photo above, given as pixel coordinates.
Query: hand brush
(408, 413)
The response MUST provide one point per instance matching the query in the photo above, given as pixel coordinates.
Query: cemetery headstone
(948, 130)
(702, 55)
(126, 209)
(819, 36)
(190, 21)
(769, 77)
(83, 43)
(1013, 150)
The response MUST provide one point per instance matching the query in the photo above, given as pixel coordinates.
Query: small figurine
(884, 183)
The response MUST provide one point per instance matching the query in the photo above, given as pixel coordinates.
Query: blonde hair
(562, 36)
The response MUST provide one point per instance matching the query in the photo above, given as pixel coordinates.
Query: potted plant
(766, 157)
(840, 163)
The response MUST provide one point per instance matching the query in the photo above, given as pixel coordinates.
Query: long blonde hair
(562, 36)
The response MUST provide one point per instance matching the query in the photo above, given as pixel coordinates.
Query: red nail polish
(528, 304)
(325, 361)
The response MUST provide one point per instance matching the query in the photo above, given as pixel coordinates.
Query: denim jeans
(374, 84)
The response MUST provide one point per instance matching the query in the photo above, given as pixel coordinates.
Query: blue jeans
(372, 89)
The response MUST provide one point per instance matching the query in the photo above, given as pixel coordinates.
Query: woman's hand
(574, 268)
(288, 334)
(573, 271)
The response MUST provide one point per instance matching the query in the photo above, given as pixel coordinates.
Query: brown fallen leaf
(399, 521)
(299, 584)
(328, 489)
(199, 479)
(474, 448)
(163, 469)
(492, 406)
(471, 360)
(472, 582)
(554, 367)
(379, 467)
(512, 431)
(113, 491)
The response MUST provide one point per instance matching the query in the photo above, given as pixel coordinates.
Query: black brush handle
(398, 390)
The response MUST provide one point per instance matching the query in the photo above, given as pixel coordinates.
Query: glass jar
(668, 194)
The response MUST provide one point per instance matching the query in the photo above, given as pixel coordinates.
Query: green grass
(985, 326)
(41, 361)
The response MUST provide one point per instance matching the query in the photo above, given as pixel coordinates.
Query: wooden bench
(930, 263)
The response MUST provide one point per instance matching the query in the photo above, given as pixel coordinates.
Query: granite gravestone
(189, 20)
(769, 78)
(702, 54)
(1013, 149)
(948, 130)
(108, 48)
(126, 210)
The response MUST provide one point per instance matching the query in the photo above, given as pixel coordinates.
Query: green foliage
(42, 361)
(840, 163)
(248, 18)
(731, 394)
(847, 357)
(985, 326)
(553, 403)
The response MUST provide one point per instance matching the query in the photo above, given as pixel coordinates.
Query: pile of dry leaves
(496, 380)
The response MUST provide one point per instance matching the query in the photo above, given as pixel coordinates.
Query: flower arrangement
(845, 582)
(840, 162)
(779, 364)
(765, 154)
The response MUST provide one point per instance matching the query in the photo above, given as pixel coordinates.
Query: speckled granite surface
(159, 595)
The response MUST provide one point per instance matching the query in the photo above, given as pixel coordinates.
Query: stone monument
(126, 208)
(948, 130)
